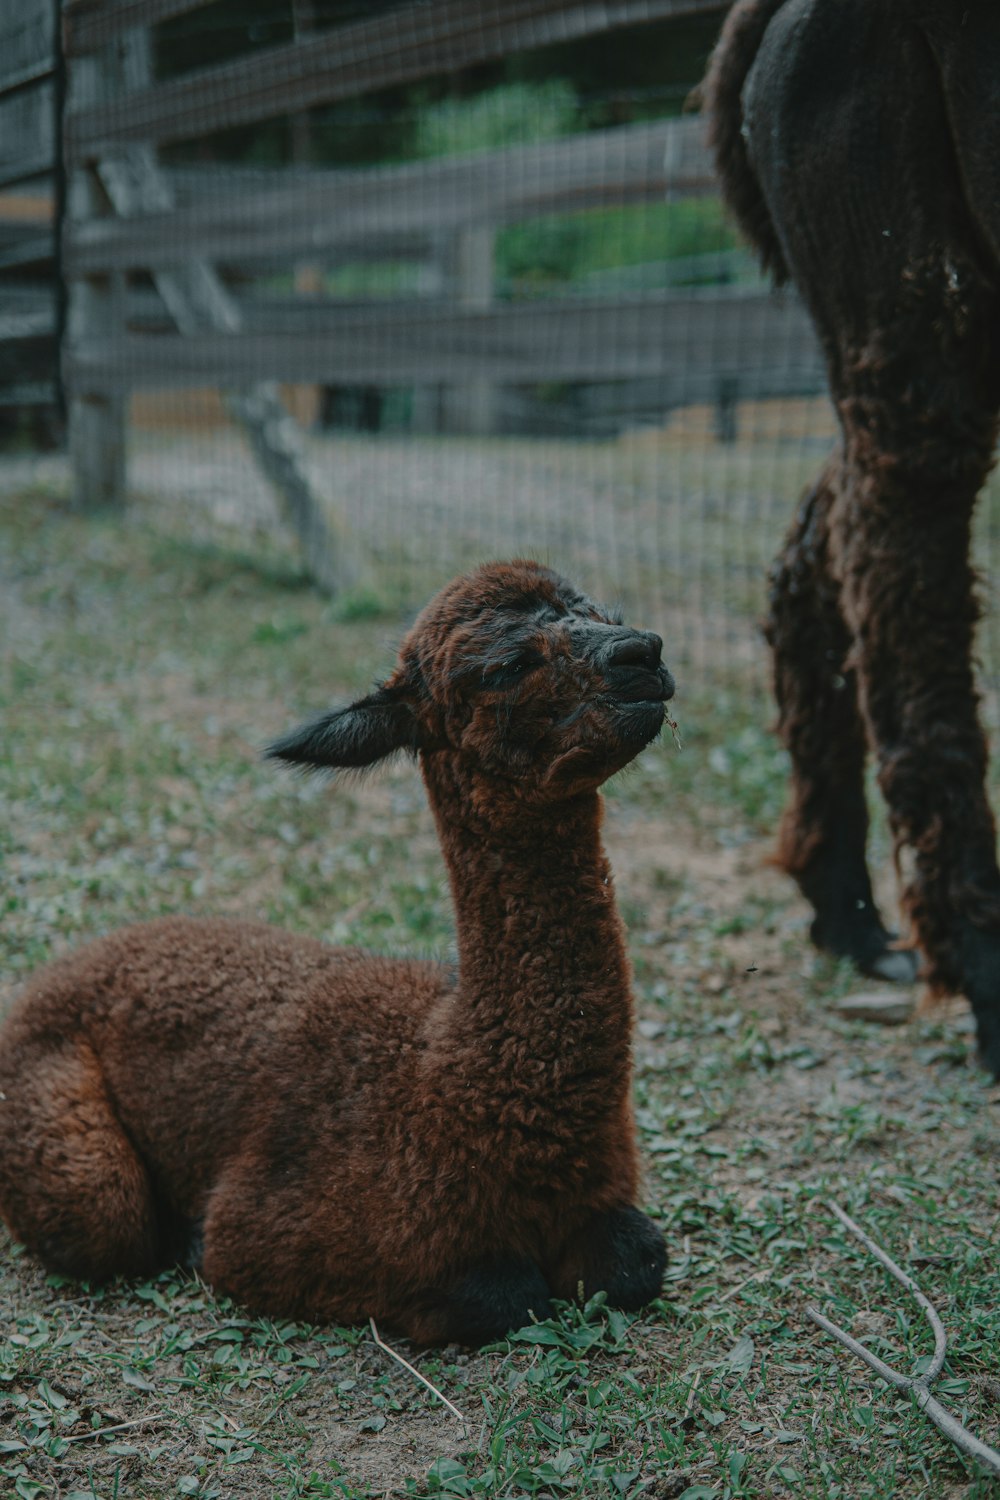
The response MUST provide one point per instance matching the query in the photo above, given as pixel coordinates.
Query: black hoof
(988, 1036)
(487, 1303)
(980, 952)
(621, 1253)
(868, 945)
(639, 1257)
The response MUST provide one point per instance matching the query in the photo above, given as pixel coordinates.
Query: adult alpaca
(343, 1134)
(859, 147)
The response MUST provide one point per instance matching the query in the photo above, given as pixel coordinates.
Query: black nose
(640, 649)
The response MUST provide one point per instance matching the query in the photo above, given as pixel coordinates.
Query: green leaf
(538, 1334)
(740, 1357)
(563, 1462)
(449, 1476)
(28, 1489)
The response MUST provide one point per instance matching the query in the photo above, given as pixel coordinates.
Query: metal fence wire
(406, 286)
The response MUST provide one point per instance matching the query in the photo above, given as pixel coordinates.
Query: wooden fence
(29, 302)
(690, 342)
(201, 234)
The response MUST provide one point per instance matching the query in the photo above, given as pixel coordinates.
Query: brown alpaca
(341, 1134)
(859, 146)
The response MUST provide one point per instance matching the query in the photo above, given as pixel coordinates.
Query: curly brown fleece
(859, 146)
(334, 1134)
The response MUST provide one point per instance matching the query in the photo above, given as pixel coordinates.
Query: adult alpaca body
(350, 1135)
(859, 146)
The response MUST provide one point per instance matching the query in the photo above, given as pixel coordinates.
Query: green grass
(143, 670)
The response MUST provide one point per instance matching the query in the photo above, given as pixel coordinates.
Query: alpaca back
(207, 1031)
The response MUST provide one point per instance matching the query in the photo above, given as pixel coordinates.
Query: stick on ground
(919, 1385)
(422, 1378)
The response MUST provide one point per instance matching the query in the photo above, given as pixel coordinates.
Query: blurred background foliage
(529, 97)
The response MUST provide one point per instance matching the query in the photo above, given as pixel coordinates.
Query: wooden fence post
(96, 419)
(129, 182)
(472, 408)
(197, 300)
(427, 413)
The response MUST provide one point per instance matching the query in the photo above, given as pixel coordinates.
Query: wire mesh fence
(474, 266)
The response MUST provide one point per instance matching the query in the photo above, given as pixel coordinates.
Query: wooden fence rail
(512, 343)
(90, 24)
(28, 243)
(239, 218)
(198, 234)
(29, 52)
(27, 97)
(397, 47)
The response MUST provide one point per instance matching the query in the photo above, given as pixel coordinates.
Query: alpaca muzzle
(633, 668)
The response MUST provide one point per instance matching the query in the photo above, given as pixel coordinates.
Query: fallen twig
(734, 1291)
(692, 1392)
(918, 1385)
(422, 1378)
(99, 1432)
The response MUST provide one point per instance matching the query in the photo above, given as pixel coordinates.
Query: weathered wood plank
(199, 303)
(26, 343)
(29, 169)
(29, 393)
(471, 406)
(234, 217)
(412, 42)
(26, 325)
(94, 308)
(405, 344)
(27, 134)
(89, 24)
(27, 42)
(27, 250)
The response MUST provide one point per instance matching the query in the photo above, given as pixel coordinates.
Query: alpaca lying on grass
(333, 1134)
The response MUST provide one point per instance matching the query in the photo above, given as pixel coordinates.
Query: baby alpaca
(346, 1135)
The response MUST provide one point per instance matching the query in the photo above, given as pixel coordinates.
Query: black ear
(352, 737)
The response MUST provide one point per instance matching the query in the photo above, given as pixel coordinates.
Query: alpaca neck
(544, 981)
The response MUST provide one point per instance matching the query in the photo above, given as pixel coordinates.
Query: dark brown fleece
(357, 1135)
(859, 145)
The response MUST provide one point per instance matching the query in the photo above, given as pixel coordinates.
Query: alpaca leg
(825, 826)
(483, 1305)
(262, 1248)
(914, 631)
(71, 1186)
(899, 278)
(620, 1252)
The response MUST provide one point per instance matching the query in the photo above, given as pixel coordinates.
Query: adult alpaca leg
(850, 135)
(903, 540)
(825, 826)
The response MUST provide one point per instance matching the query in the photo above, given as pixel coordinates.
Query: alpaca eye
(510, 672)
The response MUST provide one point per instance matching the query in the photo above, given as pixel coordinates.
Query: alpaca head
(516, 678)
